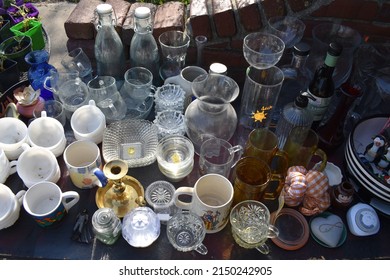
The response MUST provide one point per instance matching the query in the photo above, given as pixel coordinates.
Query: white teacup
(47, 204)
(212, 197)
(37, 164)
(9, 206)
(6, 167)
(48, 133)
(88, 123)
(13, 133)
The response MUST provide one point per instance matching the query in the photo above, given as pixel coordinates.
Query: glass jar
(106, 225)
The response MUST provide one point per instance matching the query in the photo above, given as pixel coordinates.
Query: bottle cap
(301, 49)
(142, 12)
(218, 68)
(335, 49)
(301, 101)
(104, 8)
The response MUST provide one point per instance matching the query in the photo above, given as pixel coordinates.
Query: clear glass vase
(211, 114)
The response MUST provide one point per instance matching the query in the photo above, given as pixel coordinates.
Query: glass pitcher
(211, 114)
(107, 97)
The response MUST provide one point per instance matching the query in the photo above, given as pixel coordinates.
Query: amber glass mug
(301, 146)
(252, 180)
(263, 144)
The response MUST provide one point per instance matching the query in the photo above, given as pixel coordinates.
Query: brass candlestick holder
(122, 192)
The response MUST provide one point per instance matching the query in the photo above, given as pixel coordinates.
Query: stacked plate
(367, 174)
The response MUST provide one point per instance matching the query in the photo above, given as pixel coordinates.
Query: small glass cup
(53, 109)
(175, 157)
(79, 61)
(251, 227)
(186, 232)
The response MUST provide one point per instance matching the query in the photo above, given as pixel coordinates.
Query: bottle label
(317, 105)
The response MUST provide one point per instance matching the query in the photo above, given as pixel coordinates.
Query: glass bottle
(294, 114)
(143, 46)
(296, 79)
(331, 134)
(201, 42)
(106, 225)
(109, 53)
(321, 87)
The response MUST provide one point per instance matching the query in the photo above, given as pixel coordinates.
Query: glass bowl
(169, 97)
(262, 50)
(132, 140)
(170, 123)
(289, 29)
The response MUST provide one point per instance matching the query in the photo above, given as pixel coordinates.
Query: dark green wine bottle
(321, 87)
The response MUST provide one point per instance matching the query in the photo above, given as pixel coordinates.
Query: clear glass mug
(251, 226)
(107, 97)
(218, 156)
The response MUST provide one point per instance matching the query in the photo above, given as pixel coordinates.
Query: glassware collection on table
(175, 170)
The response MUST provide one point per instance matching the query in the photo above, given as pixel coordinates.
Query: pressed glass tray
(132, 140)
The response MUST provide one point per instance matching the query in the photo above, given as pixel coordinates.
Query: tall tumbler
(260, 93)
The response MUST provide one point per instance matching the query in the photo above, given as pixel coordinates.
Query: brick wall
(226, 22)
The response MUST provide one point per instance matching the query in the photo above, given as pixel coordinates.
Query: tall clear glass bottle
(109, 53)
(143, 46)
(296, 79)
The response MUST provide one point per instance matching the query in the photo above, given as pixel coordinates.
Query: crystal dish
(132, 140)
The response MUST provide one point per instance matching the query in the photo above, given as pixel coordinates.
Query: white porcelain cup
(37, 164)
(9, 206)
(6, 167)
(47, 132)
(212, 197)
(13, 133)
(47, 204)
(88, 123)
(84, 163)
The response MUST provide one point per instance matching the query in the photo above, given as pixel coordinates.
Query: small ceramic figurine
(342, 195)
(384, 160)
(375, 150)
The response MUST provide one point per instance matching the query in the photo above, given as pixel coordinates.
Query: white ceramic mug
(48, 133)
(47, 204)
(13, 133)
(6, 167)
(84, 163)
(88, 123)
(212, 197)
(37, 164)
(9, 206)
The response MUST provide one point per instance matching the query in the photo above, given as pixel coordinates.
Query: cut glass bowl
(132, 140)
(170, 123)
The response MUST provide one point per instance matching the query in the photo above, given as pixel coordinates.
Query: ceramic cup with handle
(212, 196)
(84, 163)
(37, 164)
(47, 132)
(9, 206)
(6, 167)
(47, 204)
(13, 133)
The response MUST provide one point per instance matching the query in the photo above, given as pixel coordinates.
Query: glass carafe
(211, 114)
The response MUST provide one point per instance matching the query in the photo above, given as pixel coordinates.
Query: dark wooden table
(26, 240)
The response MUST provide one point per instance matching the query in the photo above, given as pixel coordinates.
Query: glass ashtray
(170, 123)
(132, 140)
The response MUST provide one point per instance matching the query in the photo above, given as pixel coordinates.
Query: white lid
(218, 68)
(104, 8)
(142, 12)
